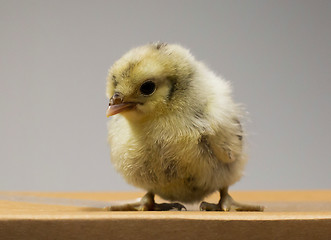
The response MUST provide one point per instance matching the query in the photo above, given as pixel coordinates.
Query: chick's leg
(227, 203)
(147, 203)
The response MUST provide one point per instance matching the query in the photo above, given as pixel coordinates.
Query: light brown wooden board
(288, 215)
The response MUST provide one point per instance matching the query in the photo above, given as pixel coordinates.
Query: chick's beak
(117, 104)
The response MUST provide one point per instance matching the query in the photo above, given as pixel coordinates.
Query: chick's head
(147, 80)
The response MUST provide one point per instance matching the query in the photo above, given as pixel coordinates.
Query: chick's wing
(224, 144)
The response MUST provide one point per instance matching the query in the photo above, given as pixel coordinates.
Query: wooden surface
(288, 215)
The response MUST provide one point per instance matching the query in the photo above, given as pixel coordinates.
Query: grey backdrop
(55, 56)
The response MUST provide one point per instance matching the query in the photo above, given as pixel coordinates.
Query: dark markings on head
(114, 81)
(127, 71)
(159, 45)
(174, 85)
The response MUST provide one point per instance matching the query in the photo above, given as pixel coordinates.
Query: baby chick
(174, 130)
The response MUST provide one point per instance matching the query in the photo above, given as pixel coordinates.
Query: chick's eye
(147, 88)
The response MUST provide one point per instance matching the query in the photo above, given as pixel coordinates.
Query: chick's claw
(169, 207)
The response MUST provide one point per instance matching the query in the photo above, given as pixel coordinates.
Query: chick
(174, 130)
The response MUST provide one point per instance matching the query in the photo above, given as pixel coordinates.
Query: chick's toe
(147, 203)
(227, 203)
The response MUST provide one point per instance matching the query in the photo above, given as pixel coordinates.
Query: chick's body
(183, 141)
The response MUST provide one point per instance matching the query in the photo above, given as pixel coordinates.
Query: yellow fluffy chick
(174, 130)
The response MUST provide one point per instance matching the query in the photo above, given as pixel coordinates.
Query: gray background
(55, 56)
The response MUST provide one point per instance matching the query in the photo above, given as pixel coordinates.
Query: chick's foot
(227, 203)
(147, 203)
